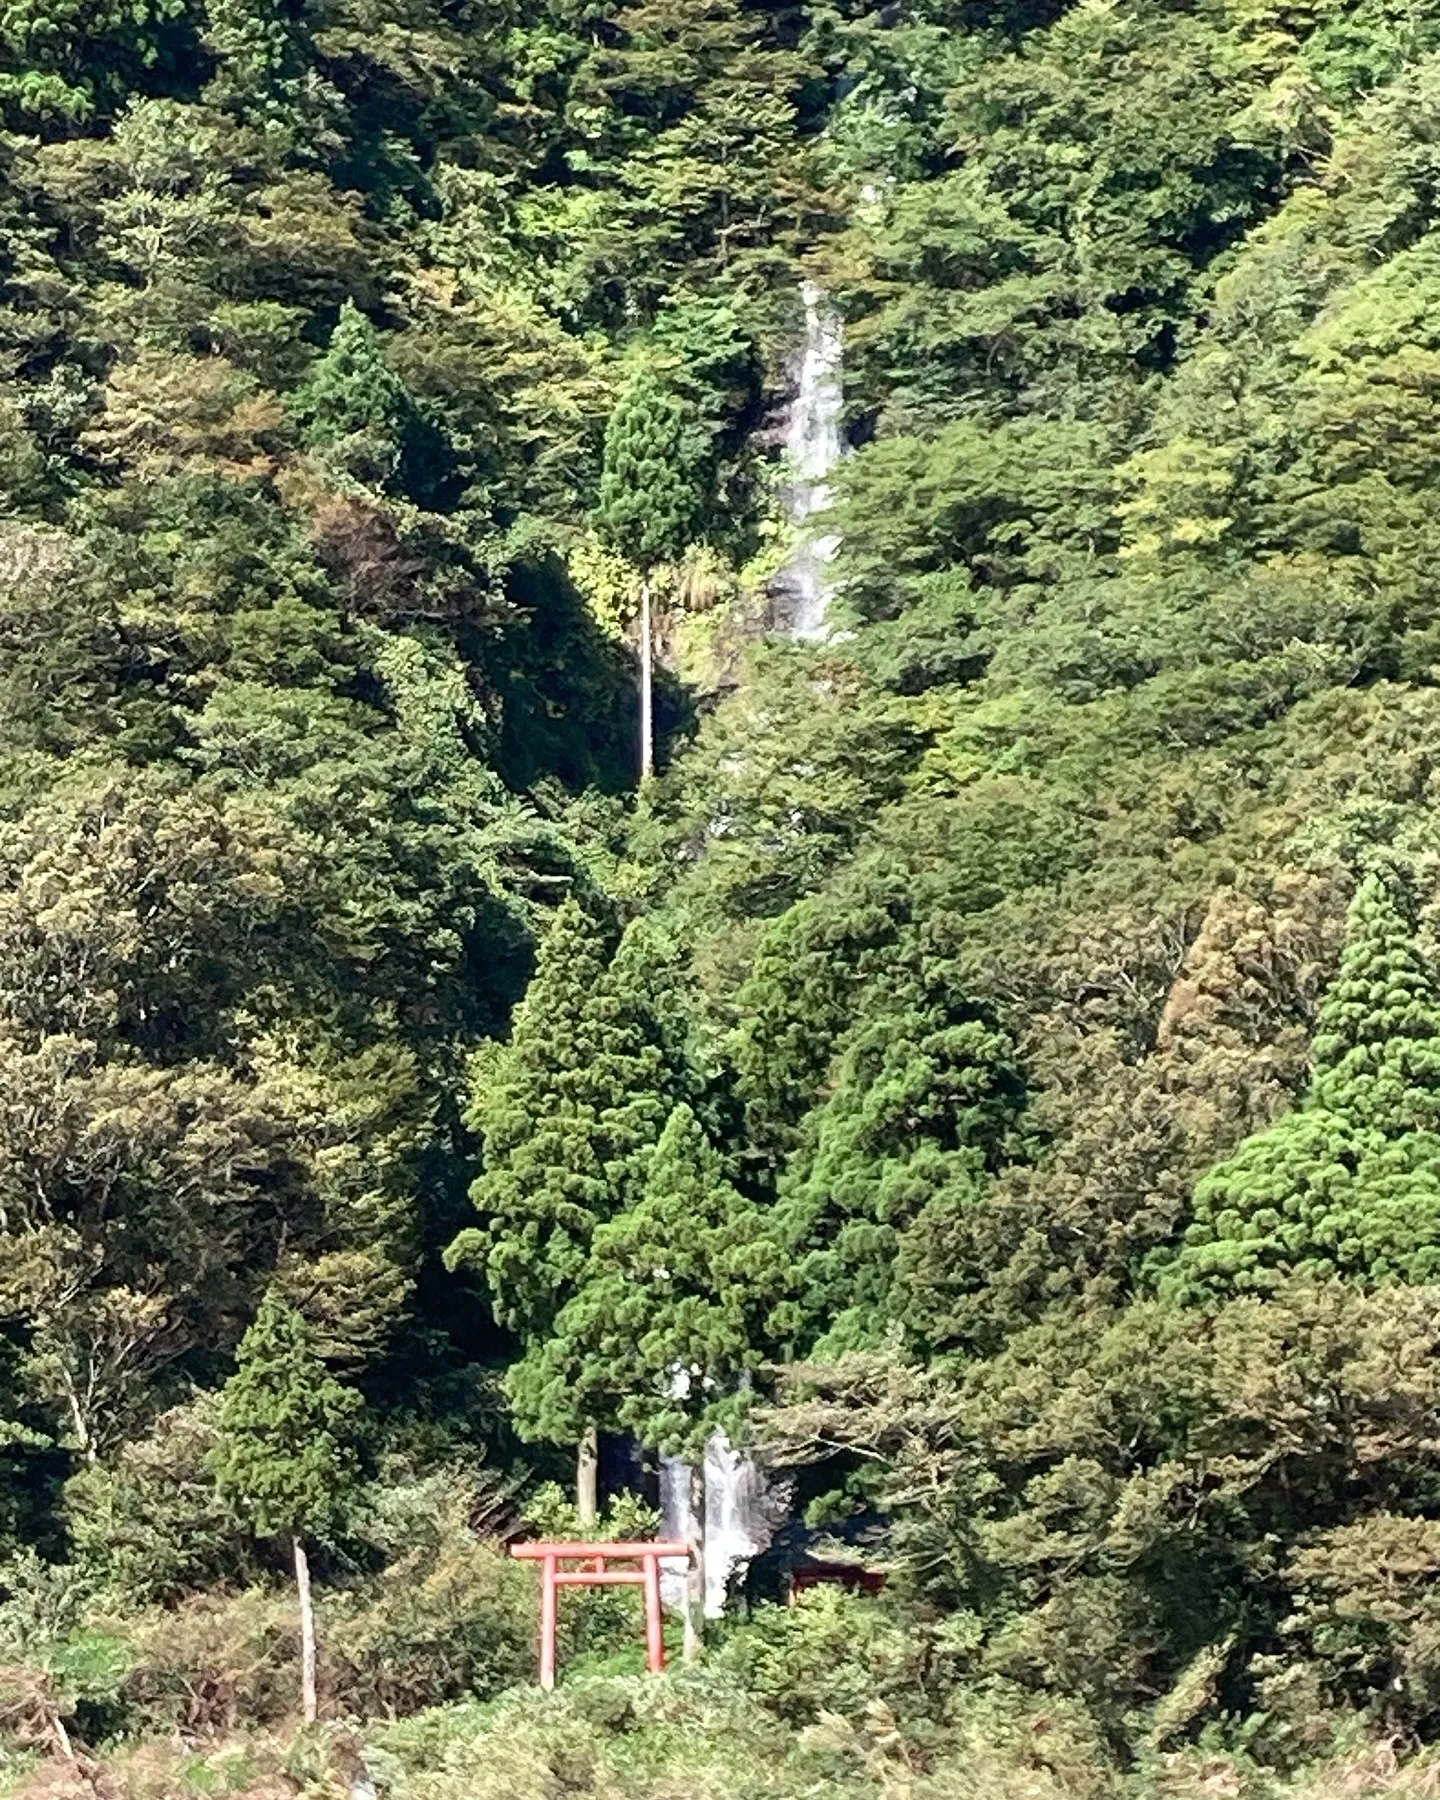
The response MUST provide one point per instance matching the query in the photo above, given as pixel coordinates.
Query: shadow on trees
(570, 694)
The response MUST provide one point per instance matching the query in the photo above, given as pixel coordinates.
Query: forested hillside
(991, 1068)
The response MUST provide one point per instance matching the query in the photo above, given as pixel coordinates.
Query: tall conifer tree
(679, 1281)
(568, 1112)
(357, 412)
(286, 1454)
(649, 502)
(670, 1320)
(1349, 1183)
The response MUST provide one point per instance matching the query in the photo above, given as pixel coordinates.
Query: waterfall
(741, 1512)
(802, 588)
(738, 1522)
(674, 1525)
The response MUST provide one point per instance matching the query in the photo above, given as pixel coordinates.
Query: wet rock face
(800, 591)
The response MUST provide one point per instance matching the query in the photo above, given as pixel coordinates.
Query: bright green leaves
(1102, 170)
(612, 1238)
(1376, 1051)
(544, 1183)
(61, 61)
(353, 407)
(1349, 1184)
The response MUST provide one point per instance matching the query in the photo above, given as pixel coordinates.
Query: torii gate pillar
(594, 1573)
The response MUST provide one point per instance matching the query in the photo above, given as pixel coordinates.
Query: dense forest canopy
(996, 1058)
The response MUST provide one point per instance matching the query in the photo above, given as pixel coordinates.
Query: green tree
(567, 1112)
(261, 61)
(662, 1336)
(649, 505)
(1349, 1183)
(61, 60)
(361, 418)
(690, 116)
(678, 1284)
(286, 1453)
(927, 1103)
(353, 407)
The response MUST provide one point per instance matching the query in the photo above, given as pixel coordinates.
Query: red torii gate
(553, 1578)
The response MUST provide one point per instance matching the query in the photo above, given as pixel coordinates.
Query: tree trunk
(647, 685)
(695, 1574)
(587, 1476)
(83, 1436)
(307, 1633)
(63, 1745)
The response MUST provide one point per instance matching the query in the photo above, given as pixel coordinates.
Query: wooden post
(647, 684)
(654, 1624)
(587, 1479)
(307, 1633)
(547, 1623)
(695, 1574)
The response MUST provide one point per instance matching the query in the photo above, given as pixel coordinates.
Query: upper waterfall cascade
(813, 446)
(742, 1509)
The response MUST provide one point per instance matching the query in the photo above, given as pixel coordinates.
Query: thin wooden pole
(587, 1475)
(547, 1623)
(654, 1627)
(647, 684)
(695, 1574)
(307, 1632)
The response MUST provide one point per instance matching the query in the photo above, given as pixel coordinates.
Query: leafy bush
(215, 1662)
(831, 1652)
(56, 1663)
(1366, 1623)
(688, 1736)
(150, 1524)
(446, 1614)
(436, 1625)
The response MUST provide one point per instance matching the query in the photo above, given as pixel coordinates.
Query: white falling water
(740, 1517)
(813, 446)
(674, 1525)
